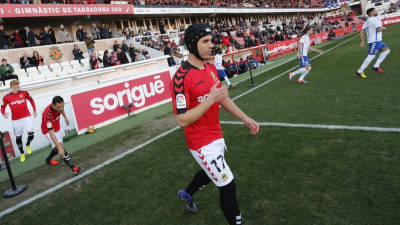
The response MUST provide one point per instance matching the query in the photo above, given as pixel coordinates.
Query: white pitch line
(84, 174)
(122, 155)
(319, 126)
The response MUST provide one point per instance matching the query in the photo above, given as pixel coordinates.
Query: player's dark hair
(306, 29)
(57, 99)
(4, 60)
(370, 10)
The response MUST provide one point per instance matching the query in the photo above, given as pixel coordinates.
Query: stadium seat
(20, 72)
(15, 65)
(24, 79)
(56, 69)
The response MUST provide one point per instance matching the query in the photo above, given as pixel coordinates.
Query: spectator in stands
(28, 37)
(121, 55)
(139, 56)
(104, 32)
(52, 35)
(132, 53)
(45, 36)
(16, 39)
(114, 59)
(81, 34)
(77, 53)
(95, 61)
(124, 46)
(6, 72)
(90, 44)
(243, 66)
(64, 35)
(115, 46)
(36, 59)
(25, 61)
(4, 38)
(161, 26)
(331, 35)
(231, 68)
(168, 51)
(106, 59)
(95, 32)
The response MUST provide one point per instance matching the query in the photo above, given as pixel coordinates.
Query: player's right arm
(362, 38)
(3, 108)
(192, 115)
(299, 45)
(60, 149)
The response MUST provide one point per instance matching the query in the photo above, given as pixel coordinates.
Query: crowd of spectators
(197, 3)
(27, 38)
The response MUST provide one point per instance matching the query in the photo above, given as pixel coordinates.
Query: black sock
(199, 181)
(229, 204)
(53, 153)
(67, 159)
(30, 138)
(18, 140)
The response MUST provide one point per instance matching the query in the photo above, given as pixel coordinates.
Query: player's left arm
(232, 108)
(316, 50)
(65, 117)
(30, 99)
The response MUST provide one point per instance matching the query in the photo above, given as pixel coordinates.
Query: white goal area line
(319, 126)
(124, 154)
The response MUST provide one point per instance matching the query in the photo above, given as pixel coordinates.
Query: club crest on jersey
(213, 76)
(180, 101)
(224, 177)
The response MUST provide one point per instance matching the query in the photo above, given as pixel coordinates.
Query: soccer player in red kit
(20, 116)
(196, 96)
(52, 130)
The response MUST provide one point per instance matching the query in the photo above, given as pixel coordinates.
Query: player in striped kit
(304, 45)
(373, 27)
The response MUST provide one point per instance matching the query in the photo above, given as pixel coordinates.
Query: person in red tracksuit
(196, 96)
(52, 130)
(20, 116)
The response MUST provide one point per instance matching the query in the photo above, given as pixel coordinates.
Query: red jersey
(18, 106)
(190, 86)
(50, 120)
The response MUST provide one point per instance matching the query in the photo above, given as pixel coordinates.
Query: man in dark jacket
(52, 35)
(4, 38)
(81, 34)
(122, 56)
(28, 37)
(46, 36)
(25, 61)
(16, 39)
(77, 53)
(104, 32)
(106, 59)
(132, 54)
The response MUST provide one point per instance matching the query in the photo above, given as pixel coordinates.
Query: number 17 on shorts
(212, 161)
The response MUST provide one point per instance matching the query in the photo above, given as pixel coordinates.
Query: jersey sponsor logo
(180, 101)
(18, 102)
(202, 98)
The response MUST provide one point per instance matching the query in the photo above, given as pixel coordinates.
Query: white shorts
(212, 161)
(59, 137)
(21, 125)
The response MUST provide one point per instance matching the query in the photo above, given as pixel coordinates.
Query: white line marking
(319, 126)
(122, 155)
(84, 174)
